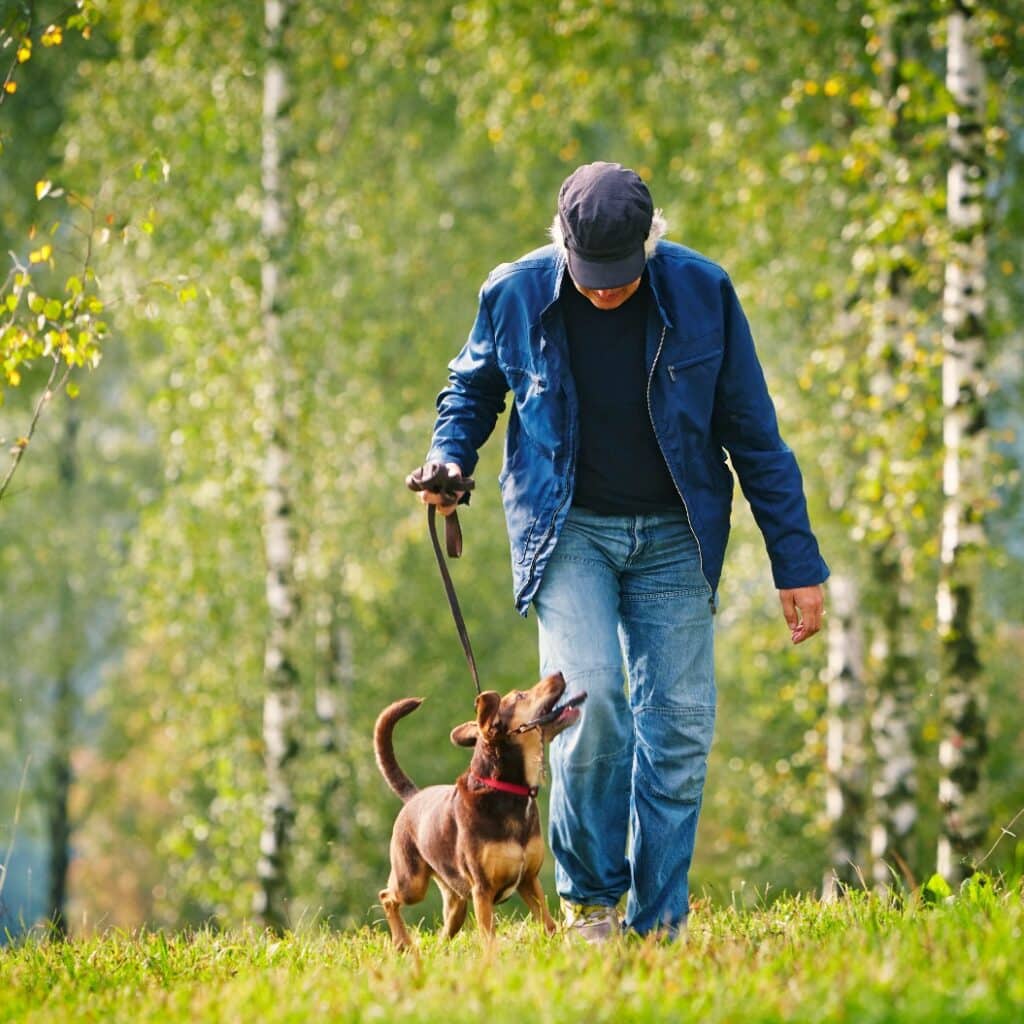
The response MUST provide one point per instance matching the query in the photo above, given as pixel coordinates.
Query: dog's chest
(506, 863)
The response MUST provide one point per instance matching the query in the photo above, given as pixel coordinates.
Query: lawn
(858, 960)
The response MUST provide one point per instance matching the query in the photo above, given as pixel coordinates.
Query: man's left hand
(804, 608)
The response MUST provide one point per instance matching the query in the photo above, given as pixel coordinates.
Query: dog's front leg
(532, 893)
(455, 907)
(483, 907)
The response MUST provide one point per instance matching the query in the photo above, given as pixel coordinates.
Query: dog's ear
(465, 735)
(488, 704)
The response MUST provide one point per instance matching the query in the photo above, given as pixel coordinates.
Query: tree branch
(23, 442)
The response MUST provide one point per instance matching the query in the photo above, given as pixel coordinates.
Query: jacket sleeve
(745, 424)
(468, 408)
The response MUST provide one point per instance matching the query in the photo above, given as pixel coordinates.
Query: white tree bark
(281, 677)
(964, 393)
(846, 757)
(894, 804)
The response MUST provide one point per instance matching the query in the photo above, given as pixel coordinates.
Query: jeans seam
(694, 591)
(680, 710)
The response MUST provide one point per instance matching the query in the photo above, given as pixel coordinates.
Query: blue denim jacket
(706, 394)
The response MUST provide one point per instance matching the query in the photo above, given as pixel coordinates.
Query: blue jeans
(627, 592)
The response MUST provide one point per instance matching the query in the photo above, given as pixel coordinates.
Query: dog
(479, 838)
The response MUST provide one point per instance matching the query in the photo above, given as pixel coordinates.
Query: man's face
(609, 298)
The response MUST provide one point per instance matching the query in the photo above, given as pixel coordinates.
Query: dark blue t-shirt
(620, 469)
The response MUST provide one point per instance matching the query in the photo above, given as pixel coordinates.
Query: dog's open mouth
(565, 713)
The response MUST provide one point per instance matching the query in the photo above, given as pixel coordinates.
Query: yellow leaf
(42, 188)
(13, 378)
(10, 87)
(24, 51)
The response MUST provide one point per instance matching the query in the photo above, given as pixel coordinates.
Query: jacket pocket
(541, 409)
(701, 357)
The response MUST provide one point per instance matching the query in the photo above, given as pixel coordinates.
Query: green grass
(859, 961)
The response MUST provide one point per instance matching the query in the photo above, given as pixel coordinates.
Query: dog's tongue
(566, 706)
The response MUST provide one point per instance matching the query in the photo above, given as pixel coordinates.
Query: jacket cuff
(792, 577)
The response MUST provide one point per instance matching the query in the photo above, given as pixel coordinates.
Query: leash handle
(449, 589)
(435, 478)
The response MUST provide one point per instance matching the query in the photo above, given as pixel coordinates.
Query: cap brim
(606, 273)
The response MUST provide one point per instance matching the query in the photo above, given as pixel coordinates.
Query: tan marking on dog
(503, 863)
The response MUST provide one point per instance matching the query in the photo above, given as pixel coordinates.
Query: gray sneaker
(592, 922)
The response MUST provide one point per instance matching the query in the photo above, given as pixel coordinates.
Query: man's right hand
(444, 504)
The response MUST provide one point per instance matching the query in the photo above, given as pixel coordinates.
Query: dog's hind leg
(455, 907)
(407, 884)
(533, 896)
(391, 904)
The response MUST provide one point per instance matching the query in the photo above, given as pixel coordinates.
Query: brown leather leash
(434, 477)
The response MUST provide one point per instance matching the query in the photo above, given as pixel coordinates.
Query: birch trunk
(64, 708)
(281, 678)
(846, 763)
(963, 743)
(893, 721)
(894, 810)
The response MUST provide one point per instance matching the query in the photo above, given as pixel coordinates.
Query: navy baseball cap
(605, 212)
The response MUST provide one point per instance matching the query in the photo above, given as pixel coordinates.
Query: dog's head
(519, 713)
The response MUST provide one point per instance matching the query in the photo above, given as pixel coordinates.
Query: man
(633, 371)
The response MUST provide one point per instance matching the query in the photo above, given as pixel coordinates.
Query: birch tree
(846, 792)
(893, 720)
(894, 437)
(281, 676)
(964, 434)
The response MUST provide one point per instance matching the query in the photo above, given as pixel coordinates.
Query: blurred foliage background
(426, 144)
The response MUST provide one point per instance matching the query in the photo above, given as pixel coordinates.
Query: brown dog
(480, 838)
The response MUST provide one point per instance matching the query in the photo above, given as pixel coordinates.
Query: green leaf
(53, 309)
(936, 890)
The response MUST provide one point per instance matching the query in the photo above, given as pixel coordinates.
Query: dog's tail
(399, 782)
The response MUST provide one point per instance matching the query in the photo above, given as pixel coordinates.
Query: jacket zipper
(679, 490)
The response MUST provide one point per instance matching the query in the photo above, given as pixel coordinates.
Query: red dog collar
(506, 787)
